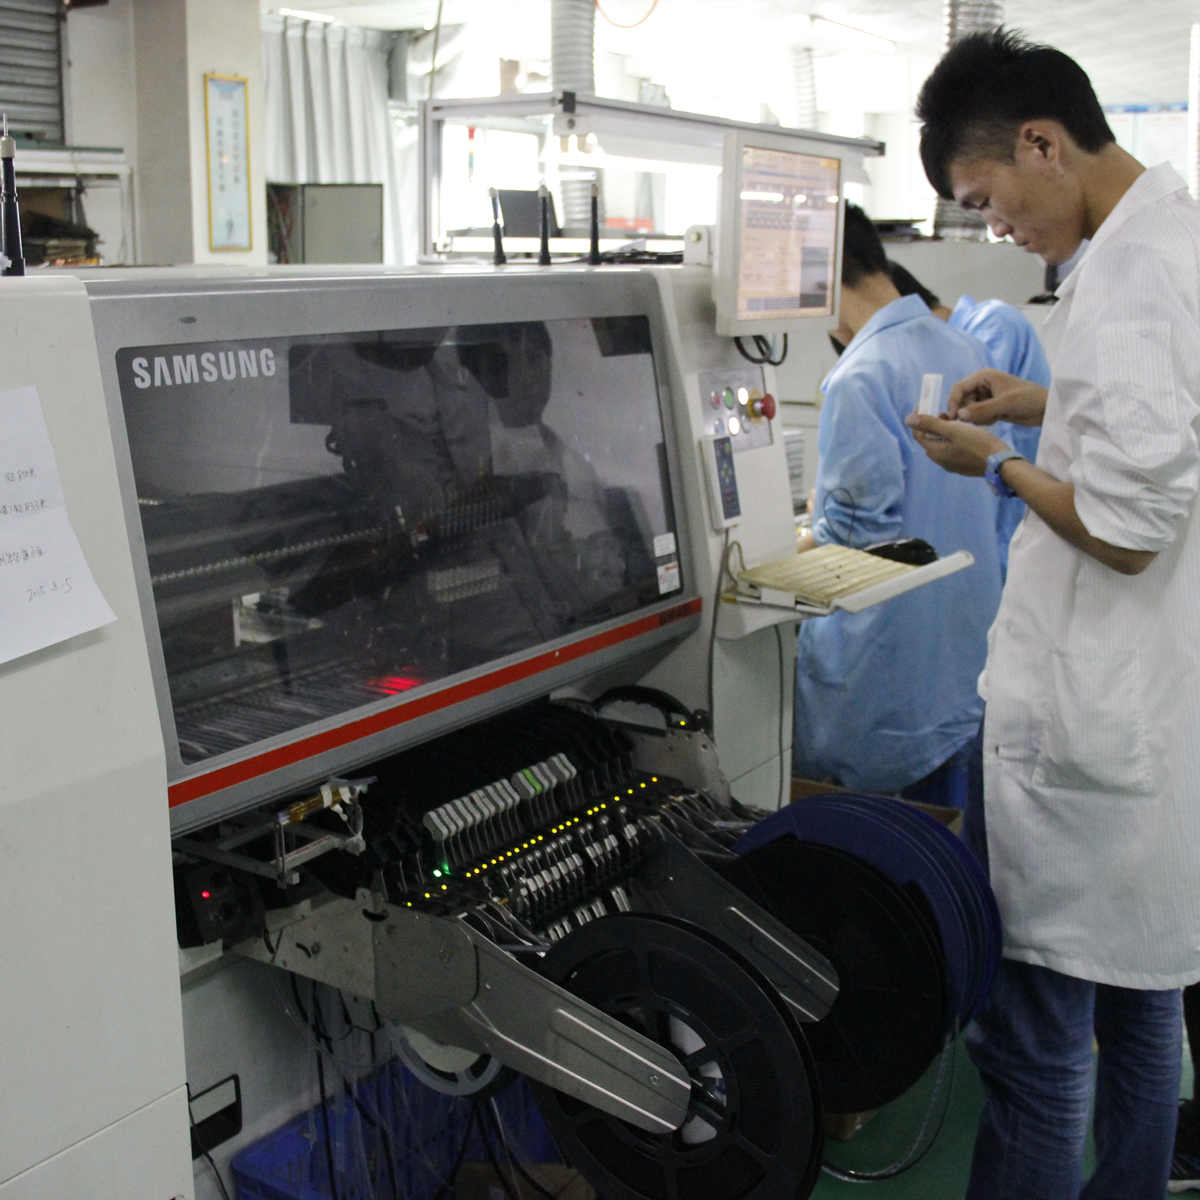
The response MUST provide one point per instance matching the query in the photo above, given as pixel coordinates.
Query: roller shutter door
(31, 68)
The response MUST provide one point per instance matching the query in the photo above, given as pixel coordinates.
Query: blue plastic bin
(420, 1150)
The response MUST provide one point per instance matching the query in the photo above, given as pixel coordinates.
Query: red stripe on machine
(418, 706)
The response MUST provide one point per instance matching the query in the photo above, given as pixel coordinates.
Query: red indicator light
(393, 685)
(206, 894)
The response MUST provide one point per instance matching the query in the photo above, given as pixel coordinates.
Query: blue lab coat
(885, 696)
(1013, 346)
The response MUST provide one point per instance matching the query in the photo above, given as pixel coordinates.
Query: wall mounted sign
(227, 141)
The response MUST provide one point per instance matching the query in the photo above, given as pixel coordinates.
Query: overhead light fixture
(305, 15)
(587, 153)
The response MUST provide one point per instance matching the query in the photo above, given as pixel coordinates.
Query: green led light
(445, 868)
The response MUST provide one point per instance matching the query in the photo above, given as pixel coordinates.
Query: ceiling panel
(1134, 55)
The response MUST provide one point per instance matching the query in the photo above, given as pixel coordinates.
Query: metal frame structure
(687, 137)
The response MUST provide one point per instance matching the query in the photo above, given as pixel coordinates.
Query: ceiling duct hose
(572, 69)
(804, 76)
(1193, 114)
(961, 17)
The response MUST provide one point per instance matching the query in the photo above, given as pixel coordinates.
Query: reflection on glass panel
(334, 519)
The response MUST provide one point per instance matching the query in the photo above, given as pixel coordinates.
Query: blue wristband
(992, 472)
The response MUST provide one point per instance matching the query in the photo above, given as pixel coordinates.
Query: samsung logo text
(210, 366)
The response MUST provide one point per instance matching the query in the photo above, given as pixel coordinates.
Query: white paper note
(47, 593)
(930, 403)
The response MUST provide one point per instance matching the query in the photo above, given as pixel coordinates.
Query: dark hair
(986, 86)
(862, 251)
(907, 284)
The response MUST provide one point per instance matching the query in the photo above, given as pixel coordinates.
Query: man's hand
(990, 395)
(955, 445)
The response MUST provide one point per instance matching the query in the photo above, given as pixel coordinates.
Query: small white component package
(930, 403)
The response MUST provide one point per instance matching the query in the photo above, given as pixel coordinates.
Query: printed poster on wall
(227, 136)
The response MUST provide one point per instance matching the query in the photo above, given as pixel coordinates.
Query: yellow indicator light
(603, 805)
(641, 785)
(445, 886)
(629, 790)
(409, 903)
(428, 896)
(653, 778)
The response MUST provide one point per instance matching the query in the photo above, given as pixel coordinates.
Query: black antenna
(594, 253)
(10, 214)
(498, 255)
(544, 224)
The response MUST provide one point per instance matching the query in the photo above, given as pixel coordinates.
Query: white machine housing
(96, 1082)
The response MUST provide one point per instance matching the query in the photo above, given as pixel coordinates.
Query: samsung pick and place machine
(435, 668)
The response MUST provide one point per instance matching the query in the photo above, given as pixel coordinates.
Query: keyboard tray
(833, 577)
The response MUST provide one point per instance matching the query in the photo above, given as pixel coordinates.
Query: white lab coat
(1092, 683)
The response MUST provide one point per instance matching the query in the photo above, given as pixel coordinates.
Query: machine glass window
(334, 519)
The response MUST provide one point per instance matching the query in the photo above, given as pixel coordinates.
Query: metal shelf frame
(682, 136)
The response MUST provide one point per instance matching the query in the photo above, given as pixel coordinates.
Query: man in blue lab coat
(886, 698)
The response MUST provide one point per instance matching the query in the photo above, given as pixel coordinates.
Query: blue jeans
(1032, 1044)
(957, 783)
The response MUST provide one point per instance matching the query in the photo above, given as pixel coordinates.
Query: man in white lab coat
(1092, 726)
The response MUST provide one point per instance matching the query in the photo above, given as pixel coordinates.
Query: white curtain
(326, 113)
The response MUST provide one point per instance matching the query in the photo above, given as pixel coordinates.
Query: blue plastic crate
(421, 1148)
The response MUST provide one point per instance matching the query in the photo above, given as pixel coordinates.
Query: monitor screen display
(787, 234)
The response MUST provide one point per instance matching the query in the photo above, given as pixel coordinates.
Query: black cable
(916, 1152)
(384, 1133)
(737, 341)
(712, 636)
(764, 351)
(764, 348)
(498, 1125)
(333, 1194)
(447, 1187)
(784, 773)
(204, 1151)
(848, 501)
(505, 1183)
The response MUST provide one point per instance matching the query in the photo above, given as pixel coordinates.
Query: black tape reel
(754, 1125)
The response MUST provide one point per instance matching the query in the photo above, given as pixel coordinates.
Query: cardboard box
(841, 1127)
(477, 1181)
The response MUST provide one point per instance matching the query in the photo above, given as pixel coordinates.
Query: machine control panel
(735, 404)
(724, 503)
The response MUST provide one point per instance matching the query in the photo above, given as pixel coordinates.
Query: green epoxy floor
(888, 1136)
(942, 1173)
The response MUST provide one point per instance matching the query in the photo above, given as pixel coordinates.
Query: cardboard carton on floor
(477, 1181)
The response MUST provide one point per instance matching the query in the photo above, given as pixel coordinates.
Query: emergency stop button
(763, 406)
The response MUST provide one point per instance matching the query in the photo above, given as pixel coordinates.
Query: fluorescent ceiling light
(597, 160)
(304, 15)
